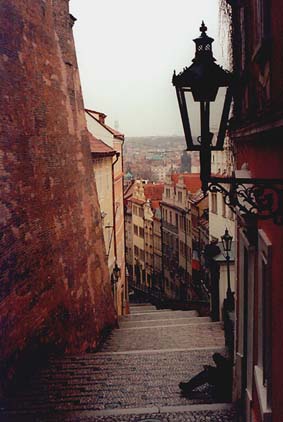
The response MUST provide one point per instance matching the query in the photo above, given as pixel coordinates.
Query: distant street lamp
(227, 246)
(116, 274)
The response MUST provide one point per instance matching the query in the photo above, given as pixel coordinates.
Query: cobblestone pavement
(134, 377)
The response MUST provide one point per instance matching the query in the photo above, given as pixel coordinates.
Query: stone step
(161, 322)
(102, 381)
(141, 307)
(193, 413)
(163, 314)
(142, 310)
(209, 334)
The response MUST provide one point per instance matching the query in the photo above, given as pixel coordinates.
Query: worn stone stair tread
(159, 315)
(189, 413)
(165, 321)
(142, 309)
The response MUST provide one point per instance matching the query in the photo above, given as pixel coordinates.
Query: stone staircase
(134, 377)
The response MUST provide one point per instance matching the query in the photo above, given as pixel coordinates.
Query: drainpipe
(114, 208)
(186, 245)
(162, 251)
(114, 221)
(126, 290)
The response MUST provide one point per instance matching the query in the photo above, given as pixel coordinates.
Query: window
(214, 202)
(186, 224)
(167, 193)
(141, 232)
(140, 212)
(170, 217)
(182, 248)
(136, 230)
(141, 255)
(136, 251)
(180, 197)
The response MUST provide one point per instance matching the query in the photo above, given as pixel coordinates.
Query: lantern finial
(203, 28)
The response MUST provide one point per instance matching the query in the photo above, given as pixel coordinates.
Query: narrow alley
(134, 376)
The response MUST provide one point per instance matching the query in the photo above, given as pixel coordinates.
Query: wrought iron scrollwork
(262, 198)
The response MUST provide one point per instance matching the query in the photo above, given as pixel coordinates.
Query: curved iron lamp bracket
(262, 198)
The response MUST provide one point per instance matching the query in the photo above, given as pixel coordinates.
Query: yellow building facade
(112, 198)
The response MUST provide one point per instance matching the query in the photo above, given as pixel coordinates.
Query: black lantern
(226, 240)
(203, 82)
(116, 274)
(227, 246)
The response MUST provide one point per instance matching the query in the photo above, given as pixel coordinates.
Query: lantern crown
(204, 76)
(203, 45)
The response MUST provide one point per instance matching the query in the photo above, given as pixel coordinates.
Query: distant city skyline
(127, 52)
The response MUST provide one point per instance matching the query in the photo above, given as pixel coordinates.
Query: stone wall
(55, 289)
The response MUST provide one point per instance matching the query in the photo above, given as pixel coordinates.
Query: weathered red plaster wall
(54, 287)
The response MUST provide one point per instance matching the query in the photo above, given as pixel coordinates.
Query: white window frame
(263, 367)
(244, 244)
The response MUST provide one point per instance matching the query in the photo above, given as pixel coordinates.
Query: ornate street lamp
(201, 85)
(198, 85)
(227, 245)
(226, 240)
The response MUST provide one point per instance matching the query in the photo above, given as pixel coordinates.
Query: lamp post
(227, 245)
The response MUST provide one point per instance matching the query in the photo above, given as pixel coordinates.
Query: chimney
(102, 118)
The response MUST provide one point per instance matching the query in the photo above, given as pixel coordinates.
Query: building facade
(200, 238)
(256, 130)
(96, 122)
(144, 202)
(176, 230)
(102, 159)
(221, 217)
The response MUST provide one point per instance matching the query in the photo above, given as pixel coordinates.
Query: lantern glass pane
(193, 108)
(216, 110)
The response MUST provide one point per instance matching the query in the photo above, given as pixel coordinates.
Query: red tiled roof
(98, 147)
(115, 132)
(128, 193)
(154, 191)
(155, 204)
(191, 180)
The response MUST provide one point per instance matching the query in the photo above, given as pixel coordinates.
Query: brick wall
(55, 292)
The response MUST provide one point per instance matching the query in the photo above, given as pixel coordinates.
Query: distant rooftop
(191, 180)
(154, 191)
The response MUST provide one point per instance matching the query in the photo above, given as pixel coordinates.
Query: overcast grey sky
(127, 51)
